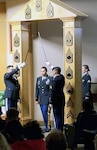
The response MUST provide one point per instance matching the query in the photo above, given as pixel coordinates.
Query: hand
(47, 82)
(22, 65)
(52, 67)
(36, 100)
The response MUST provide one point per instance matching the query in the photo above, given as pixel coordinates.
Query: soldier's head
(85, 68)
(9, 68)
(43, 71)
(56, 70)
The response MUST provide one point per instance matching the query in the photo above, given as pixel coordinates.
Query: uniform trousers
(59, 116)
(11, 103)
(44, 110)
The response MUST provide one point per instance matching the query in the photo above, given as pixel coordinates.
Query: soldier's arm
(8, 75)
(36, 91)
(88, 83)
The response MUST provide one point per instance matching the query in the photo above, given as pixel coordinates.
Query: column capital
(70, 19)
(68, 22)
(19, 26)
(72, 22)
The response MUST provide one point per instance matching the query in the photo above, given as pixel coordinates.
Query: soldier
(11, 93)
(86, 82)
(43, 94)
(57, 97)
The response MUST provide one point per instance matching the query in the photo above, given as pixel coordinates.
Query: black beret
(58, 69)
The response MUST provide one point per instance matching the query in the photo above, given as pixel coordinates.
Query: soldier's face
(43, 72)
(54, 72)
(84, 69)
(9, 69)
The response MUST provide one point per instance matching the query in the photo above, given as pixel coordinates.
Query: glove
(52, 67)
(22, 65)
(47, 63)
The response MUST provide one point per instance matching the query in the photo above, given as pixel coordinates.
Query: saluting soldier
(12, 85)
(43, 94)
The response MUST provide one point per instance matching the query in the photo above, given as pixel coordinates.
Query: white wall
(50, 43)
(51, 37)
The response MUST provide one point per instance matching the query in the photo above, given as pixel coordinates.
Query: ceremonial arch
(22, 29)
